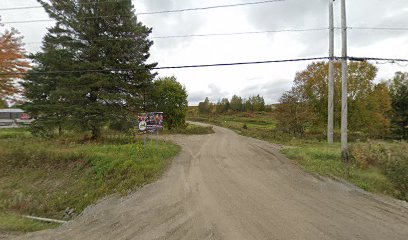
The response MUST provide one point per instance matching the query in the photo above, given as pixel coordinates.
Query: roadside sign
(142, 126)
(150, 122)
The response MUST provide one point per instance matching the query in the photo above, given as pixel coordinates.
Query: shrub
(391, 158)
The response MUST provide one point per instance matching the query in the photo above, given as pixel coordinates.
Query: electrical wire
(173, 67)
(211, 7)
(156, 12)
(203, 35)
(390, 60)
(379, 28)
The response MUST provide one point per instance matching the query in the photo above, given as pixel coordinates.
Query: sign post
(149, 123)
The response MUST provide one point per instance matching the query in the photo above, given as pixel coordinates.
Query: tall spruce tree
(92, 68)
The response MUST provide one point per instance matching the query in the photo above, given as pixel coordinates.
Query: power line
(173, 67)
(19, 8)
(29, 21)
(210, 7)
(242, 33)
(376, 28)
(152, 13)
(237, 33)
(204, 35)
(379, 28)
(390, 60)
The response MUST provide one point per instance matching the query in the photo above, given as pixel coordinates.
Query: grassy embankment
(45, 177)
(191, 129)
(380, 167)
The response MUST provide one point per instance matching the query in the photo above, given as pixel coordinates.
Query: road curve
(226, 186)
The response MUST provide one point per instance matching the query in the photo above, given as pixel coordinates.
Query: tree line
(235, 104)
(91, 71)
(377, 109)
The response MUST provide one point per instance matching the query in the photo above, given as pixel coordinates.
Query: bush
(391, 158)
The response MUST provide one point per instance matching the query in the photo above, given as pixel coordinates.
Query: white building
(13, 117)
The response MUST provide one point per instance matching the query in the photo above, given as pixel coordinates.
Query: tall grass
(390, 158)
(44, 177)
(325, 160)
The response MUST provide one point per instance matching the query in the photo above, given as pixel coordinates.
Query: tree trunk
(96, 133)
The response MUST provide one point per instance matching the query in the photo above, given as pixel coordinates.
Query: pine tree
(93, 65)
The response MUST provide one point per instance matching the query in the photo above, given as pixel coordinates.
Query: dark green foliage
(82, 40)
(399, 95)
(236, 103)
(170, 97)
(204, 107)
(223, 106)
(255, 103)
(3, 103)
(191, 129)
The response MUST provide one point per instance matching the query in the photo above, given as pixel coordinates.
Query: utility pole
(344, 144)
(331, 75)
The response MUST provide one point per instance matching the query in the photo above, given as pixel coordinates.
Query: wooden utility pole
(344, 143)
(331, 75)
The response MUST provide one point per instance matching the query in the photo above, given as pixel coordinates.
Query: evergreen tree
(399, 95)
(204, 107)
(92, 67)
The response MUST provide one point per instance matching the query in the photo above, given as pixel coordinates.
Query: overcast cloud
(269, 80)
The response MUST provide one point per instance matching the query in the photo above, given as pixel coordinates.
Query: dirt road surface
(226, 186)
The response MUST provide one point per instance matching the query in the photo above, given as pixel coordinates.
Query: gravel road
(226, 186)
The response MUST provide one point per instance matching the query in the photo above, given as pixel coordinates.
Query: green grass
(322, 159)
(191, 129)
(44, 177)
(8, 133)
(15, 223)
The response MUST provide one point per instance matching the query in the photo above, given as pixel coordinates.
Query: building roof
(11, 110)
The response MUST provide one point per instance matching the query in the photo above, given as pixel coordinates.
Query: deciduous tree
(13, 62)
(368, 102)
(399, 95)
(236, 103)
(294, 113)
(170, 97)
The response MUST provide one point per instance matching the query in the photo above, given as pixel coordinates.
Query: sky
(268, 80)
